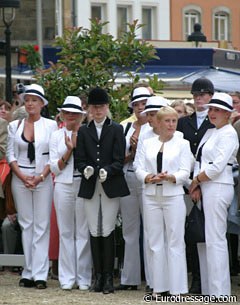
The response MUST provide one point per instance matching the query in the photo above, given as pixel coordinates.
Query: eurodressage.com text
(205, 299)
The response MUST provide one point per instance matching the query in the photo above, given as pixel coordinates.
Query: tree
(90, 58)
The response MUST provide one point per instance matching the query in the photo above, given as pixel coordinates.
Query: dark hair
(7, 105)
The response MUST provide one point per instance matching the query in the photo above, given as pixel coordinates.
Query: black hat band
(35, 91)
(153, 106)
(72, 106)
(140, 96)
(219, 102)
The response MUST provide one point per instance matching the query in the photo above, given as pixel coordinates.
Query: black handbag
(195, 226)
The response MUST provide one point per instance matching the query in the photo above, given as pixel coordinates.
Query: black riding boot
(108, 263)
(196, 279)
(97, 250)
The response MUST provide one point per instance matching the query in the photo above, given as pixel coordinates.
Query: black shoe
(40, 284)
(148, 289)
(108, 283)
(126, 287)
(26, 283)
(195, 287)
(98, 283)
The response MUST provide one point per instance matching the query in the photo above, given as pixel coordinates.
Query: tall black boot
(97, 251)
(196, 279)
(108, 263)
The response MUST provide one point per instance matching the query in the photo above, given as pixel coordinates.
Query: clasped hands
(31, 182)
(163, 176)
(89, 171)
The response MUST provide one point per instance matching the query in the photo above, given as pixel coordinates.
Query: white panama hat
(154, 103)
(139, 94)
(72, 104)
(221, 100)
(34, 89)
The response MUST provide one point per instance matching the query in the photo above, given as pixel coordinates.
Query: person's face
(167, 124)
(152, 118)
(218, 117)
(71, 118)
(138, 107)
(180, 111)
(236, 103)
(99, 112)
(4, 113)
(201, 99)
(33, 104)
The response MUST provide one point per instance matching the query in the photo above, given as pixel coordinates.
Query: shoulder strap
(129, 124)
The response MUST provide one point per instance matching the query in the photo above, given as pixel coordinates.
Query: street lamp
(8, 15)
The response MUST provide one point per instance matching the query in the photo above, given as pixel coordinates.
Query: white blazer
(219, 154)
(57, 150)
(177, 160)
(43, 129)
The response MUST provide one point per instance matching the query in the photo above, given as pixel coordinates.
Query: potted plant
(29, 55)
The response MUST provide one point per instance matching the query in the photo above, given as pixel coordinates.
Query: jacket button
(98, 159)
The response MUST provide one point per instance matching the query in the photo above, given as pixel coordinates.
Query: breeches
(101, 212)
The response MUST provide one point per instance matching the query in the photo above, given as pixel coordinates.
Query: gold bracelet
(42, 177)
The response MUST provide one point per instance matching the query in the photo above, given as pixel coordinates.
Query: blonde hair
(166, 110)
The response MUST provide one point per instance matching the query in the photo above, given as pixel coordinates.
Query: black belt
(75, 176)
(130, 170)
(25, 166)
(158, 184)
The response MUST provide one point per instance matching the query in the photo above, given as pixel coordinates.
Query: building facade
(220, 20)
(154, 14)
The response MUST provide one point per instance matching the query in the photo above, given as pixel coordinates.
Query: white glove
(102, 175)
(88, 172)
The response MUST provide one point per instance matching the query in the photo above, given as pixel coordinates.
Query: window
(96, 12)
(221, 26)
(147, 21)
(122, 19)
(190, 18)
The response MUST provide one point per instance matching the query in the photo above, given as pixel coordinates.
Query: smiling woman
(28, 156)
(214, 176)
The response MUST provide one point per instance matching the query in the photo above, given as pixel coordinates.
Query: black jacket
(108, 152)
(188, 126)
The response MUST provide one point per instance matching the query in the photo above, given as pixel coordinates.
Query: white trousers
(213, 255)
(130, 207)
(101, 212)
(34, 207)
(165, 224)
(75, 261)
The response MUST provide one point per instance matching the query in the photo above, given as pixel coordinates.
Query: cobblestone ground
(12, 294)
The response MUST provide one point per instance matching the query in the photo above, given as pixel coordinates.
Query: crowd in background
(77, 173)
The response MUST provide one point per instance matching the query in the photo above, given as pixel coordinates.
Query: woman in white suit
(164, 165)
(75, 265)
(215, 178)
(28, 156)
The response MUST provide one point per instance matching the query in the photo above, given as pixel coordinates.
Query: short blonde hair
(166, 110)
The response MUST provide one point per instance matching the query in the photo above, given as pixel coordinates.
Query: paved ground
(12, 294)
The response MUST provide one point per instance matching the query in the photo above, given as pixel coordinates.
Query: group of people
(151, 169)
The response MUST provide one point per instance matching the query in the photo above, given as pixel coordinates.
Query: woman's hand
(193, 185)
(68, 142)
(196, 194)
(28, 181)
(133, 142)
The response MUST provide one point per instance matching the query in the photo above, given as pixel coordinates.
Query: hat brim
(130, 104)
(151, 109)
(22, 96)
(218, 106)
(72, 110)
